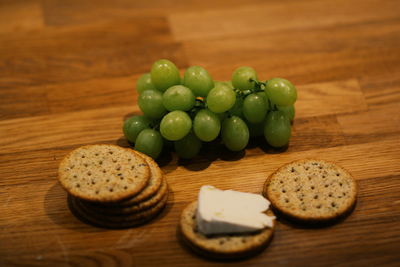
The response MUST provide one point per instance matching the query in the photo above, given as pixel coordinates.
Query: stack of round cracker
(114, 187)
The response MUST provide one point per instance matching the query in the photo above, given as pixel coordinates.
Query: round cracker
(311, 191)
(125, 210)
(221, 246)
(154, 184)
(103, 173)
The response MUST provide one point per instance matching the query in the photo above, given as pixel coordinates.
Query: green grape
(264, 95)
(134, 125)
(164, 74)
(221, 98)
(198, 80)
(242, 76)
(229, 83)
(151, 104)
(256, 129)
(235, 133)
(206, 125)
(178, 97)
(277, 129)
(254, 108)
(144, 83)
(175, 125)
(237, 109)
(289, 111)
(188, 147)
(281, 92)
(149, 142)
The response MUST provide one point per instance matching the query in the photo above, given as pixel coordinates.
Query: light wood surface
(67, 78)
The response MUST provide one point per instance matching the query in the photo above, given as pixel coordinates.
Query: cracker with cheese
(227, 224)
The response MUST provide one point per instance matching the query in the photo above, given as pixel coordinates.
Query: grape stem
(155, 125)
(273, 106)
(261, 87)
(199, 102)
(198, 105)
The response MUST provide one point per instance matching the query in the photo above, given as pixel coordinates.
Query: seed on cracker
(103, 173)
(231, 246)
(311, 190)
(154, 184)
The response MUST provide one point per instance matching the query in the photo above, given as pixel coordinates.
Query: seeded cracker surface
(221, 246)
(154, 184)
(311, 190)
(103, 173)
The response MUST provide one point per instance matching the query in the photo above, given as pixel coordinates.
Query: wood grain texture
(311, 55)
(21, 15)
(278, 16)
(79, 53)
(67, 78)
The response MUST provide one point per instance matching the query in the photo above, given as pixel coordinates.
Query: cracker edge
(134, 216)
(116, 210)
(87, 219)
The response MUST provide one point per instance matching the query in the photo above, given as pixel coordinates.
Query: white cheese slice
(228, 211)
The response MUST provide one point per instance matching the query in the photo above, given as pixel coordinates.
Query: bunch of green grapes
(184, 113)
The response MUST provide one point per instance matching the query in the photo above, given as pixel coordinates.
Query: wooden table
(67, 78)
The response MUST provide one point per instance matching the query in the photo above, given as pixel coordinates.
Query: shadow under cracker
(312, 224)
(57, 208)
